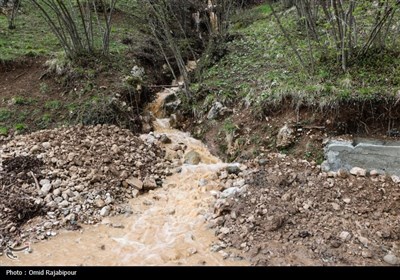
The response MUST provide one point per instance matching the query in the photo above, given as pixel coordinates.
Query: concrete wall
(367, 154)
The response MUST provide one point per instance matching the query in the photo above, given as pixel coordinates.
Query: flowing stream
(167, 226)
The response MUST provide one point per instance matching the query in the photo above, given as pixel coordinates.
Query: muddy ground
(293, 214)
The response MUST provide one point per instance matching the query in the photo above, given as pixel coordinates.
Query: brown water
(167, 226)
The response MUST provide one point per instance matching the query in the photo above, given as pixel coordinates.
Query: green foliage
(20, 127)
(21, 116)
(229, 126)
(259, 69)
(4, 115)
(45, 120)
(31, 37)
(20, 100)
(53, 105)
(264, 9)
(3, 130)
(44, 88)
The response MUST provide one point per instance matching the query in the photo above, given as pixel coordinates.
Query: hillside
(199, 133)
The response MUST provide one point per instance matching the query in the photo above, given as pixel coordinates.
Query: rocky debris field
(64, 177)
(285, 211)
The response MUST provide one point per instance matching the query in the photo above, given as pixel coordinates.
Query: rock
(239, 183)
(48, 225)
(71, 217)
(63, 203)
(34, 149)
(149, 184)
(335, 206)
(176, 147)
(391, 259)
(331, 174)
(44, 182)
(285, 137)
(137, 72)
(109, 200)
(105, 211)
(366, 254)
(99, 203)
(215, 111)
(124, 175)
(223, 175)
(224, 230)
(52, 204)
(395, 179)
(262, 161)
(342, 173)
(135, 182)
(229, 192)
(347, 200)
(345, 236)
(335, 243)
(233, 169)
(45, 189)
(192, 157)
(79, 187)
(374, 173)
(165, 139)
(364, 241)
(46, 145)
(359, 172)
(135, 193)
(56, 183)
(115, 149)
(146, 127)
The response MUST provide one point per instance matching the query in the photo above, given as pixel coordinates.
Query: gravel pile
(62, 177)
(285, 211)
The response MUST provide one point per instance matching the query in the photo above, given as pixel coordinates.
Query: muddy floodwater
(166, 227)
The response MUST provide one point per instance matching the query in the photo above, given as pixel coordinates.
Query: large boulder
(216, 109)
(285, 137)
(192, 157)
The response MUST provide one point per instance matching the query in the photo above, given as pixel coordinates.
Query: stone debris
(285, 137)
(73, 175)
(289, 212)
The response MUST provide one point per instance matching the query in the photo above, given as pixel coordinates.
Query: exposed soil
(292, 214)
(251, 133)
(23, 78)
(33, 98)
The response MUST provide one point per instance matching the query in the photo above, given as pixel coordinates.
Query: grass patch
(19, 100)
(53, 105)
(3, 131)
(259, 68)
(32, 36)
(20, 127)
(4, 115)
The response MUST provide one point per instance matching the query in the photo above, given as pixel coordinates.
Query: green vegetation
(229, 126)
(20, 100)
(53, 105)
(32, 36)
(20, 127)
(4, 115)
(260, 68)
(44, 88)
(3, 131)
